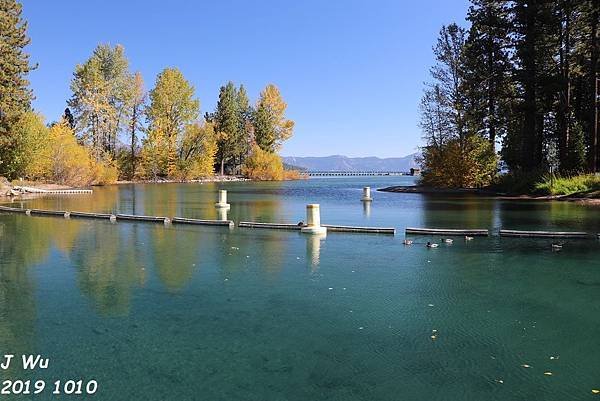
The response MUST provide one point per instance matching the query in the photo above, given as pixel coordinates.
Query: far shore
(216, 178)
(8, 190)
(587, 198)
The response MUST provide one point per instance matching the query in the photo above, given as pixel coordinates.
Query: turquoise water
(159, 312)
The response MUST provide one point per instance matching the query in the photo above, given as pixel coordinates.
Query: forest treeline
(518, 88)
(113, 128)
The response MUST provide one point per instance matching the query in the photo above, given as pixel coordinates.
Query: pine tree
(487, 69)
(228, 123)
(535, 27)
(15, 94)
(246, 126)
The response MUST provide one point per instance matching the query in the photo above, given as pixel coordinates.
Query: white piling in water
(222, 214)
(313, 220)
(366, 194)
(222, 203)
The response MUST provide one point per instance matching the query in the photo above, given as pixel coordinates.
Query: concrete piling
(222, 213)
(313, 220)
(222, 203)
(366, 194)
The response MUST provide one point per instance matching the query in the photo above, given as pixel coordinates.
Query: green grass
(556, 185)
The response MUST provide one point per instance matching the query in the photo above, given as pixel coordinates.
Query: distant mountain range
(344, 163)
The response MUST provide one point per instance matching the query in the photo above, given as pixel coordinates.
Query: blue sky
(350, 71)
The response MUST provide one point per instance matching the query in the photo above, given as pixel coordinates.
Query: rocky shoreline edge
(590, 198)
(8, 190)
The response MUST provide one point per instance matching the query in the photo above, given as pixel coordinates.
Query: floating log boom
(276, 226)
(448, 231)
(330, 227)
(543, 234)
(366, 230)
(155, 219)
(183, 220)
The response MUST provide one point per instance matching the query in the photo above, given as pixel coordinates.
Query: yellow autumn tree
(263, 166)
(60, 159)
(198, 151)
(154, 157)
(471, 163)
(172, 109)
(271, 127)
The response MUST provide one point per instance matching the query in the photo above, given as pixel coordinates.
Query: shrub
(60, 159)
(263, 166)
(466, 163)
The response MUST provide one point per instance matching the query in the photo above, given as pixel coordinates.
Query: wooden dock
(476, 232)
(31, 190)
(543, 234)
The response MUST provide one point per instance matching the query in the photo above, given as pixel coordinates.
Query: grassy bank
(587, 185)
(556, 185)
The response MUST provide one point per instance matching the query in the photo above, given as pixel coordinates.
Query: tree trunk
(133, 125)
(564, 109)
(594, 84)
(531, 151)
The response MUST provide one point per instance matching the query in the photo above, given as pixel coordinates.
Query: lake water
(158, 312)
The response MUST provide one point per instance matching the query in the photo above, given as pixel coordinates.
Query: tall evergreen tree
(228, 124)
(246, 126)
(15, 94)
(534, 30)
(487, 69)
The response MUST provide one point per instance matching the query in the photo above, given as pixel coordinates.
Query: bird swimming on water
(556, 247)
(430, 245)
(467, 238)
(408, 242)
(447, 240)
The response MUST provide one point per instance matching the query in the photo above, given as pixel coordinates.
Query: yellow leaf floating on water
(548, 373)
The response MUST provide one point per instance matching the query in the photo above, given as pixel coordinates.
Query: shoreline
(10, 190)
(486, 193)
(216, 178)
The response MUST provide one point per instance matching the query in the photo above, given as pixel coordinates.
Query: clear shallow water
(177, 313)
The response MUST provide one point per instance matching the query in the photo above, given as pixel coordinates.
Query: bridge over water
(354, 173)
